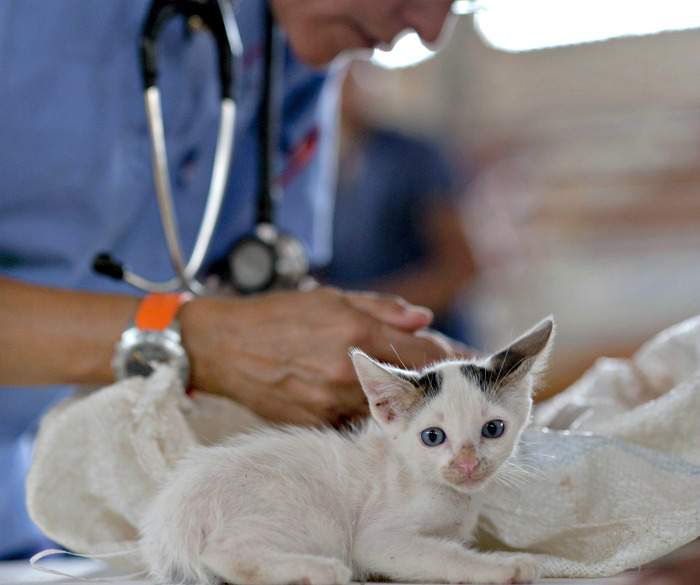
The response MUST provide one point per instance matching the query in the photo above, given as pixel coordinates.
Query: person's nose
(427, 17)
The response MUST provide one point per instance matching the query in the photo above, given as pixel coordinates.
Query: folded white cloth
(99, 457)
(612, 484)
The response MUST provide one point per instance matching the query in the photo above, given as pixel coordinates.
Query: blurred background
(569, 162)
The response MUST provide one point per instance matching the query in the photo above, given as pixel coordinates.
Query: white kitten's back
(303, 485)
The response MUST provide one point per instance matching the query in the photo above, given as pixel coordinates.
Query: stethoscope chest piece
(264, 260)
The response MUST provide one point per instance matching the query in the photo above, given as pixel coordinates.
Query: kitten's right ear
(527, 354)
(391, 392)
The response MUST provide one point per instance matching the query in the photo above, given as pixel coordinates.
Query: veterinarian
(77, 179)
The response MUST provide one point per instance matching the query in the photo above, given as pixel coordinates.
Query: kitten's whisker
(514, 481)
(522, 467)
(500, 370)
(532, 457)
(511, 471)
(509, 481)
(398, 357)
(521, 472)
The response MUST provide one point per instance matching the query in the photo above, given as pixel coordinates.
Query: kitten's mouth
(459, 478)
(472, 482)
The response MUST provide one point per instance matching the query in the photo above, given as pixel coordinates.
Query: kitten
(398, 498)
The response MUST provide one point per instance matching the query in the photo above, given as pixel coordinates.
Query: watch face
(138, 351)
(141, 355)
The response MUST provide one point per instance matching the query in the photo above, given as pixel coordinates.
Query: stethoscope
(263, 259)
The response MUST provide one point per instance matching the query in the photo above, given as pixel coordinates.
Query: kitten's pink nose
(466, 460)
(467, 465)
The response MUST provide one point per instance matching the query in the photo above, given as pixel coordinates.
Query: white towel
(616, 483)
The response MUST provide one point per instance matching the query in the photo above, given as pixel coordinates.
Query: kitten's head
(457, 422)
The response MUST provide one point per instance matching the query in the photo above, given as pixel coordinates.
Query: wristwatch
(154, 337)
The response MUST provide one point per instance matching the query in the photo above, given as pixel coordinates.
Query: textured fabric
(76, 169)
(19, 536)
(90, 483)
(593, 503)
(615, 483)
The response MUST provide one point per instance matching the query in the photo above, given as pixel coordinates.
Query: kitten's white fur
(318, 507)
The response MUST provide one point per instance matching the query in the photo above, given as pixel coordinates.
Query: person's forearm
(55, 336)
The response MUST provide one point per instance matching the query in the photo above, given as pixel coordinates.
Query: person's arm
(284, 355)
(447, 268)
(55, 336)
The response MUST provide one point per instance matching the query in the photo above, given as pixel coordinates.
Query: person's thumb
(392, 310)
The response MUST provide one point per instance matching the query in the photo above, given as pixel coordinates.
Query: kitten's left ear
(391, 392)
(527, 354)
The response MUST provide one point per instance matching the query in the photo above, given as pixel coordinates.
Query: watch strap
(158, 311)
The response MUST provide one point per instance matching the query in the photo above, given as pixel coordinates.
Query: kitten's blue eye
(433, 437)
(493, 429)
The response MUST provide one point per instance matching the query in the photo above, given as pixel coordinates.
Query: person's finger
(337, 399)
(453, 348)
(405, 349)
(391, 310)
(351, 397)
(438, 339)
(335, 392)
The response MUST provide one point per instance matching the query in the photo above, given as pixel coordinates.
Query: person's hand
(319, 30)
(285, 355)
(453, 349)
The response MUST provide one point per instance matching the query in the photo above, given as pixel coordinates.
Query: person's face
(319, 30)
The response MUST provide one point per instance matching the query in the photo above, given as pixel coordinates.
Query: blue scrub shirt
(75, 168)
(385, 188)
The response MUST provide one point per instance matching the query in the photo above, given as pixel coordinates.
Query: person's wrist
(204, 330)
(192, 317)
(108, 316)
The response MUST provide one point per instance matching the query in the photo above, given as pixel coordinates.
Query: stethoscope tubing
(287, 258)
(223, 26)
(185, 272)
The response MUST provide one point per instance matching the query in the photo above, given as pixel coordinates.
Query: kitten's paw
(525, 568)
(489, 575)
(507, 570)
(324, 572)
(513, 568)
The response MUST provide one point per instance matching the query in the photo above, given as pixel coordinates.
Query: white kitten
(398, 498)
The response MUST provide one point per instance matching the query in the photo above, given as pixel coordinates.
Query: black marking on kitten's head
(484, 378)
(504, 364)
(429, 383)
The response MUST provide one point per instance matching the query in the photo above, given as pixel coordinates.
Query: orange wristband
(158, 310)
